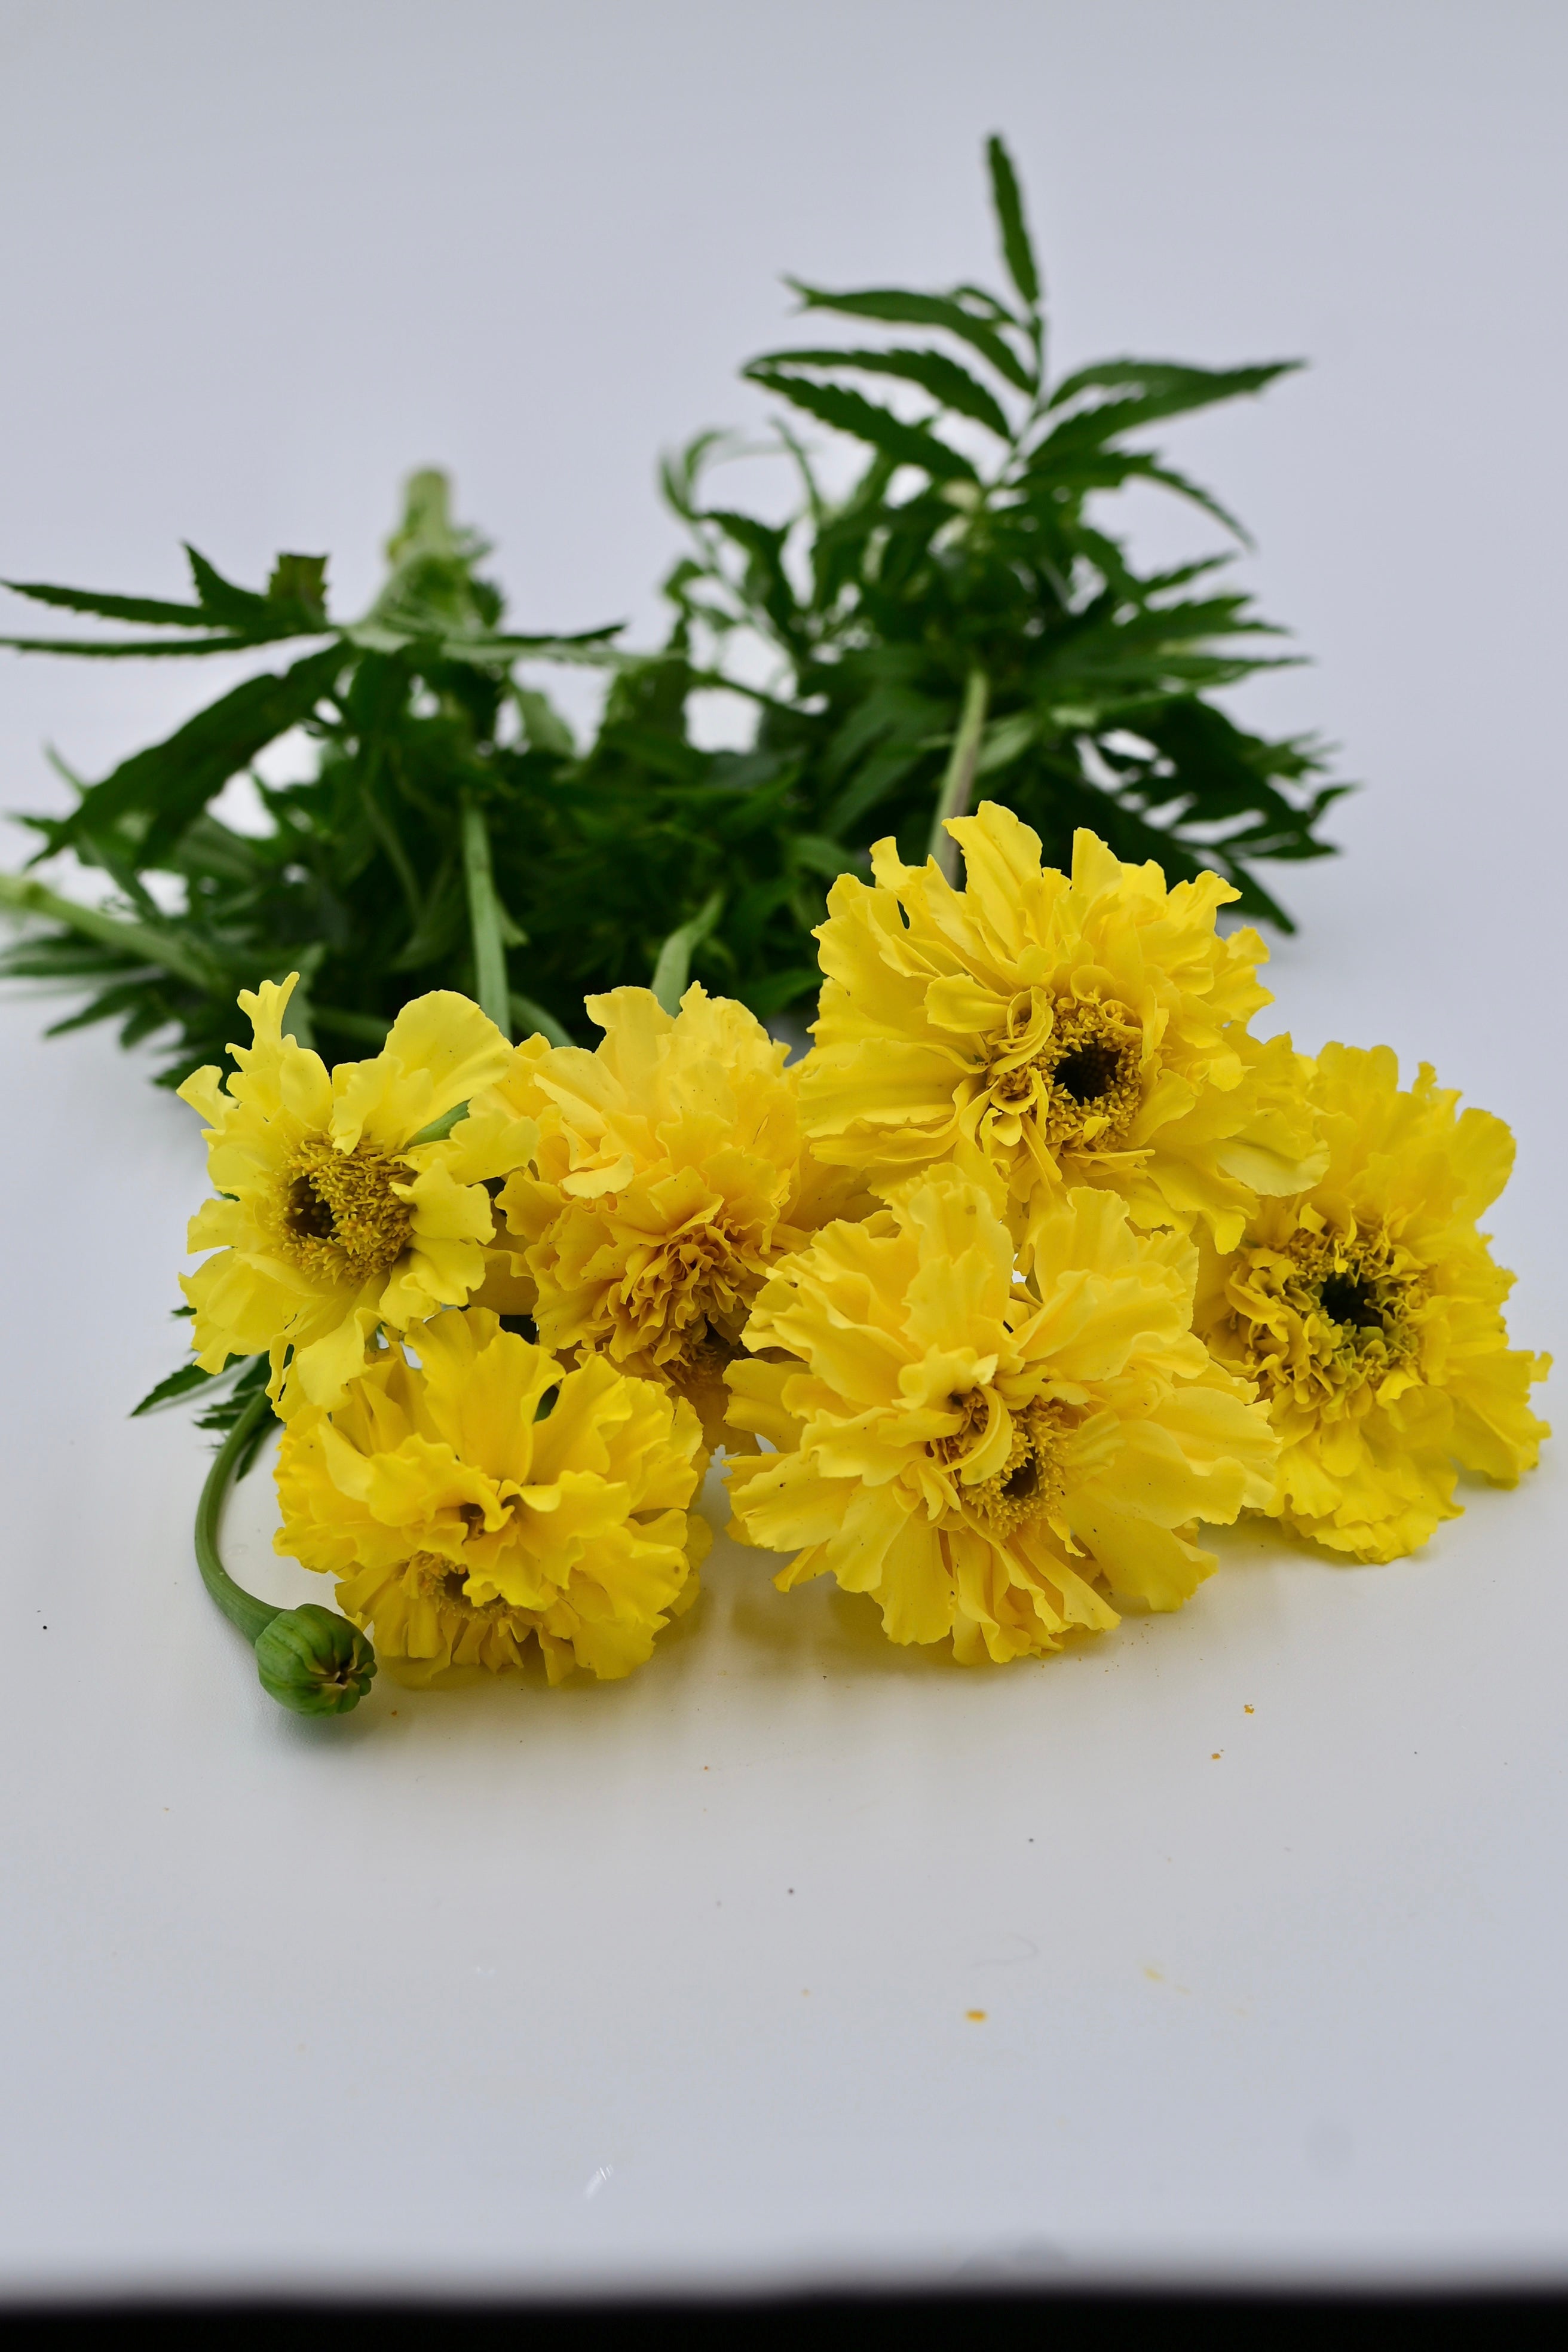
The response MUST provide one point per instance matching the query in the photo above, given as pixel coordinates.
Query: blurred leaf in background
(955, 622)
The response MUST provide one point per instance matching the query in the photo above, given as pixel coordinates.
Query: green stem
(160, 948)
(367, 1026)
(534, 1019)
(958, 783)
(241, 1607)
(386, 833)
(485, 920)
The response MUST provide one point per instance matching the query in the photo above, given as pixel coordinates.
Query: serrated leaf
(150, 609)
(897, 307)
(241, 608)
(1145, 390)
(1008, 200)
(172, 781)
(301, 581)
(142, 649)
(933, 371)
(867, 421)
(1083, 470)
(177, 1384)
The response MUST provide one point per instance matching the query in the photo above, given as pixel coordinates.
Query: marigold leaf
(897, 307)
(851, 411)
(934, 373)
(1008, 205)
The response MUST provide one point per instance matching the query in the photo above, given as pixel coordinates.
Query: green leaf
(149, 609)
(897, 307)
(674, 963)
(1016, 249)
(1081, 471)
(867, 420)
(933, 371)
(300, 580)
(142, 648)
(542, 724)
(240, 608)
(169, 948)
(178, 1384)
(1145, 390)
(171, 783)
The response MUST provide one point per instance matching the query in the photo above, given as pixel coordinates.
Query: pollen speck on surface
(975, 2016)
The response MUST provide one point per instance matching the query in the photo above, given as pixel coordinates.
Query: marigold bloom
(987, 1460)
(670, 1177)
(487, 1497)
(331, 1219)
(1369, 1311)
(1082, 1030)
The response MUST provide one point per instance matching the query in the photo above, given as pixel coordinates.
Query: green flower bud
(314, 1661)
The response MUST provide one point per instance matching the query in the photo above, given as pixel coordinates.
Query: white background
(669, 1980)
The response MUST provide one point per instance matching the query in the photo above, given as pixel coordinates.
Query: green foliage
(453, 833)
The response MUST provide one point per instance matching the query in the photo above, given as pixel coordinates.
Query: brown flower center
(431, 1576)
(338, 1218)
(1029, 1484)
(1331, 1314)
(1084, 1085)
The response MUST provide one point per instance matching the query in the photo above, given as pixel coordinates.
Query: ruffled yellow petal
(1088, 1029)
(333, 1218)
(489, 1499)
(982, 1456)
(670, 1177)
(1369, 1310)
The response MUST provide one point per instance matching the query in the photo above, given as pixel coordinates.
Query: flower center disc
(340, 1220)
(1029, 1484)
(1343, 1318)
(1084, 1085)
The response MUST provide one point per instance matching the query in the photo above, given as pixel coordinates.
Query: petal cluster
(484, 1498)
(991, 1460)
(1368, 1309)
(332, 1218)
(1089, 1028)
(1037, 1263)
(670, 1176)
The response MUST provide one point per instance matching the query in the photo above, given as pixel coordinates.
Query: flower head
(486, 1496)
(1088, 1029)
(1369, 1311)
(988, 1460)
(670, 1176)
(331, 1217)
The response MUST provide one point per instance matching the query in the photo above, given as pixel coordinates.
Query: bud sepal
(313, 1661)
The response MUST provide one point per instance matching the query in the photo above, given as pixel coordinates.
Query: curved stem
(166, 949)
(241, 1607)
(959, 781)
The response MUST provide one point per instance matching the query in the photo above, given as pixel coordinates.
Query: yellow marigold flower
(987, 1461)
(1369, 1311)
(487, 1496)
(670, 1176)
(1081, 1030)
(330, 1218)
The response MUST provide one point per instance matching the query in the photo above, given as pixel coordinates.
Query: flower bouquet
(1034, 1264)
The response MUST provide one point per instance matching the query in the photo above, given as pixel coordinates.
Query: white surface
(513, 1991)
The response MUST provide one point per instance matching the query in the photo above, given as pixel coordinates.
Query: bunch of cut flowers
(1037, 1262)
